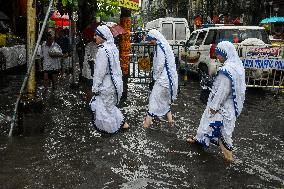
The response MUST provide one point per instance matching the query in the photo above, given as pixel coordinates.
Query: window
(211, 37)
(200, 38)
(226, 35)
(238, 35)
(191, 40)
(259, 34)
(180, 31)
(167, 30)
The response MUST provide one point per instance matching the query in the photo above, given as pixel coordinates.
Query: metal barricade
(141, 61)
(264, 66)
(270, 78)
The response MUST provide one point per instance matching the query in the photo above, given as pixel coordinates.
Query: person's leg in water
(62, 67)
(228, 154)
(88, 89)
(147, 121)
(170, 118)
(54, 80)
(45, 79)
(191, 139)
(125, 125)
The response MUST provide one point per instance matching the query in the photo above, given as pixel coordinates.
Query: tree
(88, 10)
(252, 10)
(107, 8)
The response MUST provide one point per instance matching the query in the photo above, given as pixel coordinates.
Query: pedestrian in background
(91, 50)
(225, 102)
(107, 84)
(63, 41)
(166, 79)
(80, 48)
(51, 54)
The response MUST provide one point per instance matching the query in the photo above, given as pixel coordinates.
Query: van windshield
(180, 31)
(167, 30)
(235, 35)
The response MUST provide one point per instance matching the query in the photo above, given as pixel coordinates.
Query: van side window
(180, 31)
(191, 40)
(228, 35)
(211, 37)
(200, 37)
(167, 30)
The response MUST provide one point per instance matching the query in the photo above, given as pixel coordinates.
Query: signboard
(130, 4)
(264, 52)
(144, 63)
(263, 58)
(276, 64)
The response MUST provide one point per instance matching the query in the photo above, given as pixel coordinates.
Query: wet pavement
(71, 154)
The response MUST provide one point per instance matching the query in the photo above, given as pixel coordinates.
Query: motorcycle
(206, 82)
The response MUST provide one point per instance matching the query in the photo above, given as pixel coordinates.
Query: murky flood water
(71, 154)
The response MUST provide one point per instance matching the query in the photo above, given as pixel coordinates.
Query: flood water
(71, 154)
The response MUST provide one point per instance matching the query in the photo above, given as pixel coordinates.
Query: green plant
(107, 8)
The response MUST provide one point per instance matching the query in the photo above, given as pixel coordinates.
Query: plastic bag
(55, 51)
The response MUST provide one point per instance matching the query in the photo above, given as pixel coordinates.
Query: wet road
(71, 154)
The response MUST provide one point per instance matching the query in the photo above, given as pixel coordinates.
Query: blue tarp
(272, 20)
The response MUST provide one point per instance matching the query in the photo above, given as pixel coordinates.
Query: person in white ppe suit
(107, 84)
(225, 102)
(165, 87)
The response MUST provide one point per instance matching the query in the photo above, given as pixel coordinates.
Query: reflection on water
(71, 154)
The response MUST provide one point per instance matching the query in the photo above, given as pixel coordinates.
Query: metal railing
(271, 78)
(141, 62)
(264, 66)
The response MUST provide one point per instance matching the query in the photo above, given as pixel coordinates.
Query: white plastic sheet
(14, 56)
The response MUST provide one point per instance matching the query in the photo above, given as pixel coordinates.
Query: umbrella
(88, 32)
(272, 20)
(3, 16)
(115, 28)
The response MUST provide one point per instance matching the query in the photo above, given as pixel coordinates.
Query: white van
(175, 30)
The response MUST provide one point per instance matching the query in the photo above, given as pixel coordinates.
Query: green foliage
(64, 2)
(102, 8)
(73, 3)
(140, 22)
(107, 8)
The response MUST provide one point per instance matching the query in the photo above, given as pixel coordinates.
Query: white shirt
(49, 63)
(91, 50)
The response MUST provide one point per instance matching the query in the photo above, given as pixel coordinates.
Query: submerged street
(71, 154)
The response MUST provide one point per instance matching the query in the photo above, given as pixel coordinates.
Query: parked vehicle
(200, 48)
(264, 63)
(175, 30)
